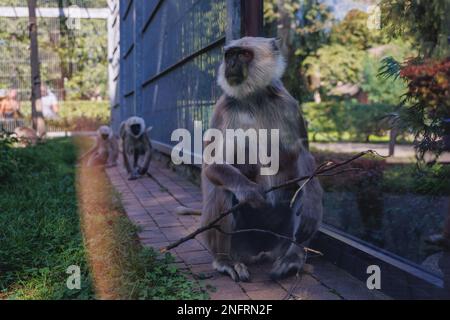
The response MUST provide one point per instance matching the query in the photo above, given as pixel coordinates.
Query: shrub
(8, 163)
(77, 115)
(339, 117)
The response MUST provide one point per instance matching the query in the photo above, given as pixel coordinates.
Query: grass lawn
(53, 216)
(121, 267)
(40, 233)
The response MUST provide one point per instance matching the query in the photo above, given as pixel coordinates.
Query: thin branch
(291, 240)
(325, 169)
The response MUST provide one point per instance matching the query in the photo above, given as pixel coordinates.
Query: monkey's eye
(245, 55)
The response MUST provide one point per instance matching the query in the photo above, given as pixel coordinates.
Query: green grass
(122, 268)
(40, 233)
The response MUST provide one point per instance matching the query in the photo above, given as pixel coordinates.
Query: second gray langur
(255, 98)
(105, 150)
(136, 146)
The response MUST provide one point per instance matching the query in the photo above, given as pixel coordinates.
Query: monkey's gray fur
(135, 145)
(105, 150)
(254, 97)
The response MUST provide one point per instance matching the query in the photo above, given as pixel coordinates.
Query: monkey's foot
(133, 177)
(237, 271)
(134, 174)
(287, 264)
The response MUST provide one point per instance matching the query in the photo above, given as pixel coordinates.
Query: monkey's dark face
(237, 61)
(135, 129)
(105, 136)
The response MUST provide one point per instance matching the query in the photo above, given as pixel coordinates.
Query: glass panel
(335, 51)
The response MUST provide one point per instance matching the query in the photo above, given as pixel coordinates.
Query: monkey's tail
(185, 211)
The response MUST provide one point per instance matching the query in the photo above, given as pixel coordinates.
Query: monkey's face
(237, 61)
(135, 129)
(104, 132)
(249, 65)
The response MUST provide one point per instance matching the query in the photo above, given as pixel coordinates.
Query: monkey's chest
(105, 148)
(136, 146)
(262, 141)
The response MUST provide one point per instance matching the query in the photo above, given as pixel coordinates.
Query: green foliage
(7, 162)
(353, 32)
(89, 55)
(351, 57)
(72, 61)
(389, 178)
(427, 180)
(389, 68)
(77, 115)
(40, 231)
(147, 274)
(360, 121)
(302, 26)
(380, 89)
(132, 271)
(335, 64)
(427, 22)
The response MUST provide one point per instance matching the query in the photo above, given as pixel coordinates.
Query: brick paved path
(150, 202)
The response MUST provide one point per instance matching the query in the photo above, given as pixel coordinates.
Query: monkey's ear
(276, 44)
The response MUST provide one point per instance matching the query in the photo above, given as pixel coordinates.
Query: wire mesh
(170, 53)
(72, 52)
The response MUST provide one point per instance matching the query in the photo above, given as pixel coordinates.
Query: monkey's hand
(251, 193)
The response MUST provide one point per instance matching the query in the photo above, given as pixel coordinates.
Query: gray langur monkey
(135, 145)
(255, 98)
(105, 150)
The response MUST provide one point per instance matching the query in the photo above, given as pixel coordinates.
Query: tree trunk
(36, 103)
(392, 139)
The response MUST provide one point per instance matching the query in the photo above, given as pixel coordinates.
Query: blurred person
(14, 103)
(50, 107)
(3, 99)
(9, 106)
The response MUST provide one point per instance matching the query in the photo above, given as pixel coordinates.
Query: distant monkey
(26, 136)
(135, 144)
(105, 151)
(255, 98)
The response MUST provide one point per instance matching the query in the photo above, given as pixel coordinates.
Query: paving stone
(222, 284)
(267, 294)
(228, 296)
(167, 221)
(196, 257)
(174, 233)
(152, 235)
(150, 205)
(188, 246)
(258, 286)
